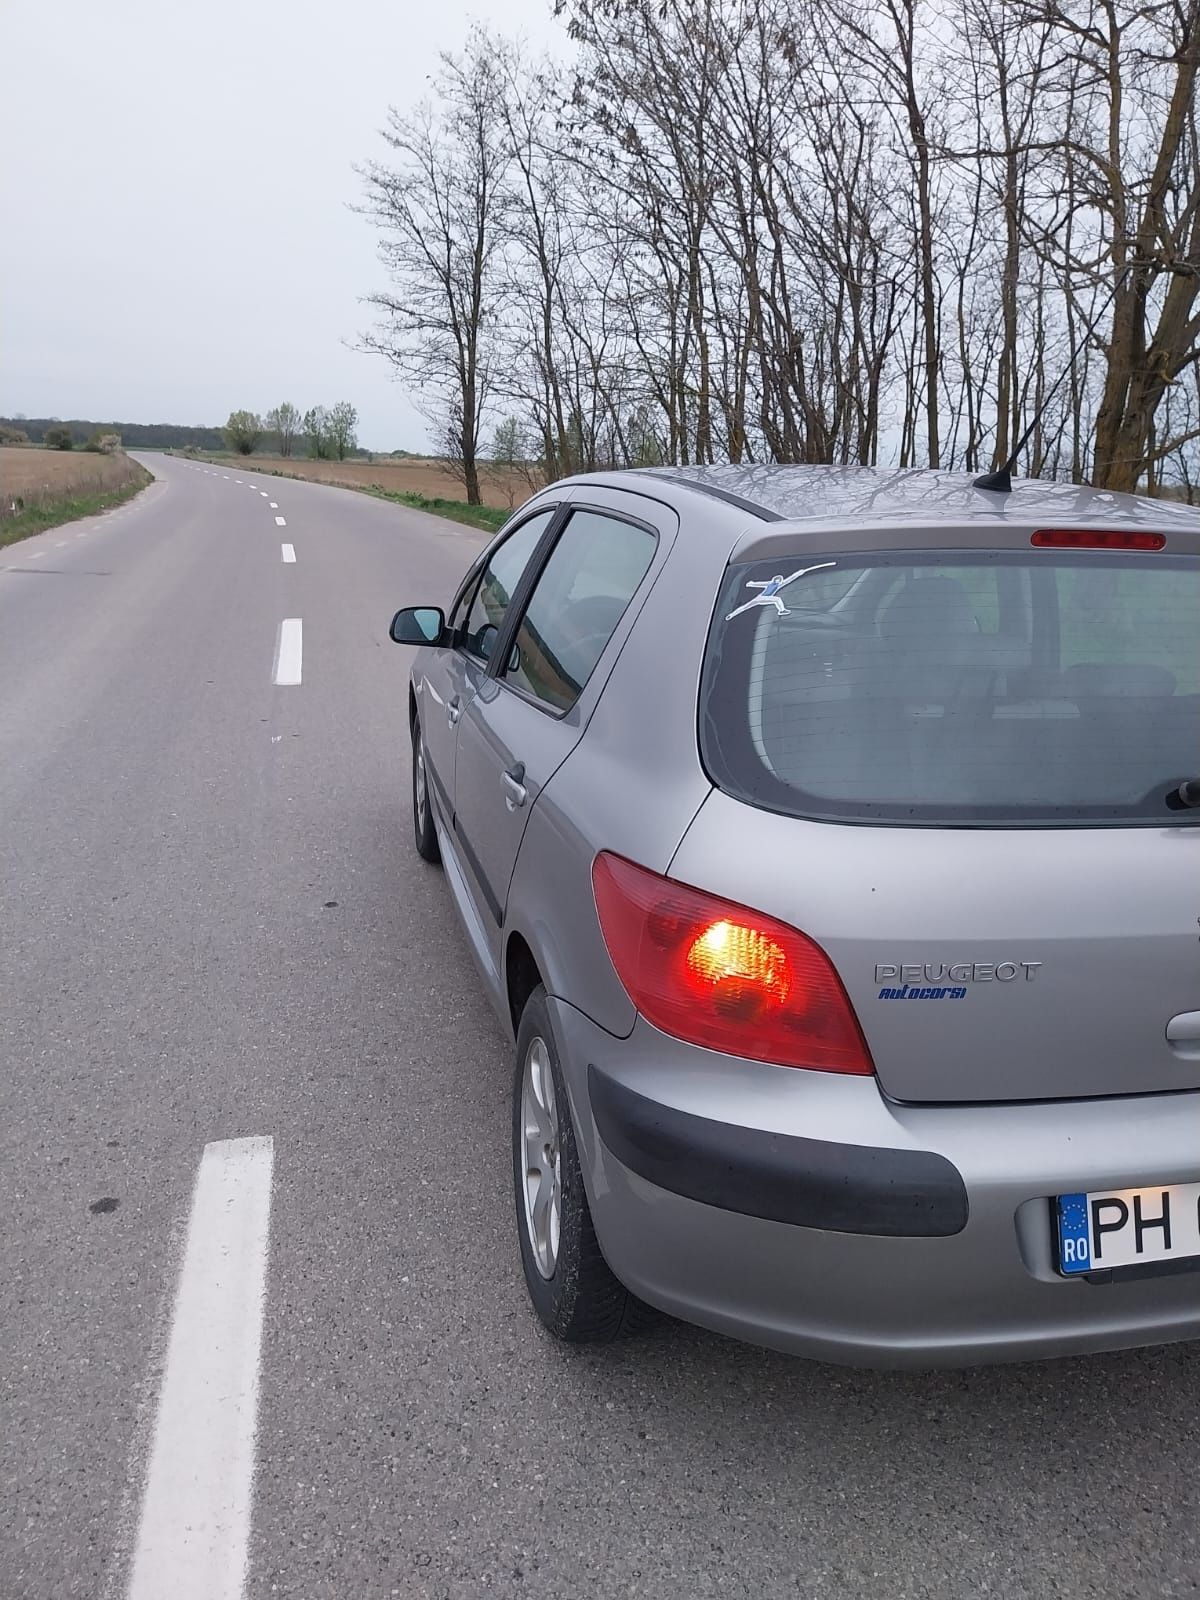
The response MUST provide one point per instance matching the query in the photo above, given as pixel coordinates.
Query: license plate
(1128, 1227)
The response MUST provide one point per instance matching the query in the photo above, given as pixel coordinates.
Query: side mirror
(418, 625)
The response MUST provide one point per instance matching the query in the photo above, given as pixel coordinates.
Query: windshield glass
(957, 687)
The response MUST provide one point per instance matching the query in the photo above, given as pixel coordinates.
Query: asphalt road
(213, 926)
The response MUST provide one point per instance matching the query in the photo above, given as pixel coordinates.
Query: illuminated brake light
(1096, 539)
(719, 975)
(731, 963)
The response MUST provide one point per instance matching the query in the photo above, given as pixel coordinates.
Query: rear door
(959, 773)
(525, 717)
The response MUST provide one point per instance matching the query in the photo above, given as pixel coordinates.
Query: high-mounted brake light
(716, 974)
(1096, 539)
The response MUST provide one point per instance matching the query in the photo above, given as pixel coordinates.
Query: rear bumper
(804, 1211)
(779, 1177)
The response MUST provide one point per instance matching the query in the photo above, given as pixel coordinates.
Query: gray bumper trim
(811, 1183)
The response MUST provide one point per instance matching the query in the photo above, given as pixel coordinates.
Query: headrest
(928, 608)
(1117, 680)
(930, 622)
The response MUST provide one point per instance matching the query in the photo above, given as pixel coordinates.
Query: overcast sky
(176, 239)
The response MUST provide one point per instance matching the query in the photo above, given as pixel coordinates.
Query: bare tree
(888, 43)
(1129, 159)
(539, 215)
(1178, 471)
(512, 463)
(647, 86)
(437, 206)
(772, 230)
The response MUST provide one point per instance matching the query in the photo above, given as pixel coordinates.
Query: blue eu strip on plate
(1074, 1235)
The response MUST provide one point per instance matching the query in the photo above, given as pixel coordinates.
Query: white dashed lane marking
(274, 505)
(263, 492)
(194, 1530)
(289, 552)
(281, 522)
(289, 653)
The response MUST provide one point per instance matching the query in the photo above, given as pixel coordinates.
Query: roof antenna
(999, 481)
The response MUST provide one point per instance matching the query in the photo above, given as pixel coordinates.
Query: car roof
(828, 493)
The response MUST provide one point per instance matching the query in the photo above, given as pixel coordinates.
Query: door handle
(1183, 1035)
(515, 793)
(453, 709)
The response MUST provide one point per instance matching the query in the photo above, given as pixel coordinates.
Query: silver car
(827, 841)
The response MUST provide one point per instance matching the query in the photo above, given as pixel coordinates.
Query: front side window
(956, 688)
(591, 576)
(498, 583)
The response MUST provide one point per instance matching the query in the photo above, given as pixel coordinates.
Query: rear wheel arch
(522, 976)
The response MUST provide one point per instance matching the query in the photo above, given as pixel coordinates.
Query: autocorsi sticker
(937, 980)
(934, 991)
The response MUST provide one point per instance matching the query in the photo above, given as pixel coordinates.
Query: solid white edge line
(194, 1529)
(289, 652)
(281, 522)
(289, 552)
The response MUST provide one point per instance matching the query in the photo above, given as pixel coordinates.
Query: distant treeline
(134, 435)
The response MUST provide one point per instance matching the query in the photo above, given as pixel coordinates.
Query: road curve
(214, 928)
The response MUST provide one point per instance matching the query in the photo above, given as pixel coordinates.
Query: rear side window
(576, 604)
(957, 688)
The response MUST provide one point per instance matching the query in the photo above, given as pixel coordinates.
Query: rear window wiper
(1186, 794)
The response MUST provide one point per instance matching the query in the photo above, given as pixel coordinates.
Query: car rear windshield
(957, 688)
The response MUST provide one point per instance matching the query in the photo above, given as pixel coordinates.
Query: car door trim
(514, 613)
(533, 568)
(507, 638)
(473, 572)
(559, 510)
(714, 492)
(495, 909)
(440, 793)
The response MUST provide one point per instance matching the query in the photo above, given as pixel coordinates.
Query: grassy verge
(489, 518)
(486, 518)
(50, 514)
(249, 463)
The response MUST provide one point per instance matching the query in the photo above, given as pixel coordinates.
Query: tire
(573, 1290)
(424, 832)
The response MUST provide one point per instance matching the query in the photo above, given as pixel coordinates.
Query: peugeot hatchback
(827, 842)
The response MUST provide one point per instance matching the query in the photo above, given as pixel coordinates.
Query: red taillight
(716, 974)
(1096, 539)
